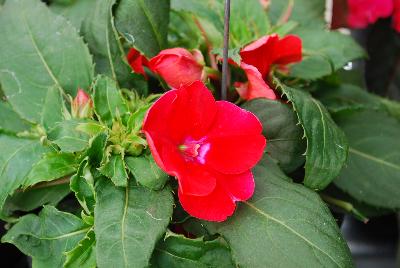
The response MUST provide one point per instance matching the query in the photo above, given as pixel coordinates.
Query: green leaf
(84, 254)
(131, 219)
(108, 101)
(178, 251)
(66, 135)
(283, 225)
(16, 160)
(115, 170)
(104, 42)
(146, 171)
(74, 12)
(10, 122)
(372, 173)
(46, 237)
(325, 52)
(280, 127)
(53, 108)
(40, 51)
(144, 24)
(82, 184)
(96, 149)
(51, 167)
(326, 143)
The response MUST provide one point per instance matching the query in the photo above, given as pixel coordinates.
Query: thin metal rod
(224, 81)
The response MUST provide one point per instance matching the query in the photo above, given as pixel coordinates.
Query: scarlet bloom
(396, 15)
(82, 105)
(361, 13)
(209, 146)
(137, 61)
(177, 66)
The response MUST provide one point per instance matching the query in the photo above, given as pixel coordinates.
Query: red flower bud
(177, 66)
(137, 61)
(82, 105)
(209, 146)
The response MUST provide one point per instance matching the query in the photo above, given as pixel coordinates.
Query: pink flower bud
(82, 105)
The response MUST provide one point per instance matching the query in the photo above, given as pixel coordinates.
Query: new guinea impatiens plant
(116, 149)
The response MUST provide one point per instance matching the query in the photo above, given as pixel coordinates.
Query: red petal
(255, 87)
(193, 112)
(196, 180)
(236, 146)
(216, 206)
(137, 61)
(288, 50)
(241, 186)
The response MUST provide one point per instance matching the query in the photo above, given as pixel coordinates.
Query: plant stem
(346, 206)
(227, 15)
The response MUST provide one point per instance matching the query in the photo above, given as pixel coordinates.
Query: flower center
(193, 150)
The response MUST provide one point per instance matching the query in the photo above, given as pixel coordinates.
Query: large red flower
(209, 146)
(396, 15)
(361, 13)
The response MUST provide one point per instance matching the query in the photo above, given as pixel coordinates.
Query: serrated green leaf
(82, 184)
(180, 252)
(53, 108)
(75, 12)
(146, 171)
(10, 122)
(280, 127)
(372, 173)
(108, 101)
(131, 219)
(67, 136)
(283, 225)
(16, 160)
(84, 254)
(39, 51)
(99, 32)
(46, 237)
(51, 167)
(144, 24)
(96, 150)
(326, 143)
(114, 169)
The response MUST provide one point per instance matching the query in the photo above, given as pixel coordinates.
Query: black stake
(225, 50)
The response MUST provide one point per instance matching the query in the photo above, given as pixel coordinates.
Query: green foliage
(284, 135)
(114, 169)
(84, 254)
(67, 136)
(37, 42)
(75, 12)
(144, 24)
(283, 225)
(131, 219)
(82, 184)
(10, 122)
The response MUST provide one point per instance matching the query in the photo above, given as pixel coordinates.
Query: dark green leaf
(66, 135)
(40, 51)
(283, 225)
(96, 149)
(108, 101)
(144, 24)
(280, 127)
(10, 122)
(114, 169)
(128, 223)
(74, 12)
(51, 167)
(372, 174)
(84, 254)
(82, 184)
(178, 251)
(146, 171)
(16, 160)
(46, 237)
(326, 143)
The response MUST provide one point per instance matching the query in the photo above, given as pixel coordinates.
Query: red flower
(269, 50)
(177, 66)
(361, 13)
(209, 146)
(82, 105)
(256, 87)
(137, 61)
(396, 15)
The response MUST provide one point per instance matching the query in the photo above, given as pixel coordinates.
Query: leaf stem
(346, 206)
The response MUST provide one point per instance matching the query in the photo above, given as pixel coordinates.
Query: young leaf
(95, 152)
(131, 219)
(146, 171)
(82, 184)
(67, 136)
(74, 12)
(326, 143)
(179, 251)
(283, 225)
(144, 24)
(52, 166)
(10, 122)
(372, 173)
(41, 50)
(115, 170)
(284, 135)
(46, 237)
(99, 32)
(84, 254)
(108, 101)
(16, 160)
